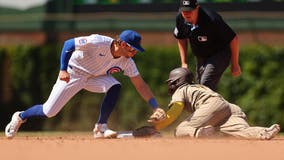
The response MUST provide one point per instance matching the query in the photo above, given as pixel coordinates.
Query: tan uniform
(207, 107)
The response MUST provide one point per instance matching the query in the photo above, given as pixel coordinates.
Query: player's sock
(109, 102)
(34, 111)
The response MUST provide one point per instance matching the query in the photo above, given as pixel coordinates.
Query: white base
(125, 134)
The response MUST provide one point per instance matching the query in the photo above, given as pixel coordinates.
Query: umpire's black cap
(187, 5)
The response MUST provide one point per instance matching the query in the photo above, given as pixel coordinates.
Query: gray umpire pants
(209, 70)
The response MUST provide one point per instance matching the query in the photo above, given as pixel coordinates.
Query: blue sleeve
(67, 50)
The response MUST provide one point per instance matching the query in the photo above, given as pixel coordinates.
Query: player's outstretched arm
(171, 115)
(145, 92)
(142, 88)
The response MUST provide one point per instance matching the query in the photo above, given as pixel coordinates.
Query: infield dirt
(83, 146)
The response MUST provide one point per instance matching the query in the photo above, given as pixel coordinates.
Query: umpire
(211, 40)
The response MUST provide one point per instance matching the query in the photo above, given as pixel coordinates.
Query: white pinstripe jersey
(92, 57)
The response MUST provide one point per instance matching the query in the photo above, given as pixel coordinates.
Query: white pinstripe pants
(62, 92)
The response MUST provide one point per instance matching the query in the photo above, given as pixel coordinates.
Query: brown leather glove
(146, 131)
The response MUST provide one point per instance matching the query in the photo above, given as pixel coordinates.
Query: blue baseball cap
(132, 38)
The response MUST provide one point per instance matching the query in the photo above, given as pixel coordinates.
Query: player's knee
(184, 132)
(201, 132)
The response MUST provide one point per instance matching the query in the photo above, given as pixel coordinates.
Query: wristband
(152, 101)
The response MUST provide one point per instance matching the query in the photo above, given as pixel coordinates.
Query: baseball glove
(146, 131)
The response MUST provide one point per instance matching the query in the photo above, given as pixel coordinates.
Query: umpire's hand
(236, 70)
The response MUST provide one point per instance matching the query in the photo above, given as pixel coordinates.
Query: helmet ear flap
(172, 87)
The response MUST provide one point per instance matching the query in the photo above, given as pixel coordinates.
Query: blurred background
(33, 32)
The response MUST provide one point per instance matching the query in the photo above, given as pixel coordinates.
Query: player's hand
(64, 76)
(158, 115)
(236, 70)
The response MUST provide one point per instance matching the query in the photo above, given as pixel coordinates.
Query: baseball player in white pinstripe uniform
(87, 63)
(210, 114)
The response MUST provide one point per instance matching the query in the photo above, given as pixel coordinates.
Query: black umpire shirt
(210, 35)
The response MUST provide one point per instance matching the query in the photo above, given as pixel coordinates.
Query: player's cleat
(102, 131)
(269, 133)
(12, 128)
(207, 131)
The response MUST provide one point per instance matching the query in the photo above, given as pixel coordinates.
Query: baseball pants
(238, 126)
(214, 111)
(225, 117)
(209, 70)
(62, 92)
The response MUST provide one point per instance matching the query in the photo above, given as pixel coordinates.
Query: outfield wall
(62, 16)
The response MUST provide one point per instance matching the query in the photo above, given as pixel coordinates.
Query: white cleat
(102, 131)
(12, 128)
(270, 132)
(205, 132)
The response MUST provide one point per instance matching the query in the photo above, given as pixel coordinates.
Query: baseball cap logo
(186, 3)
